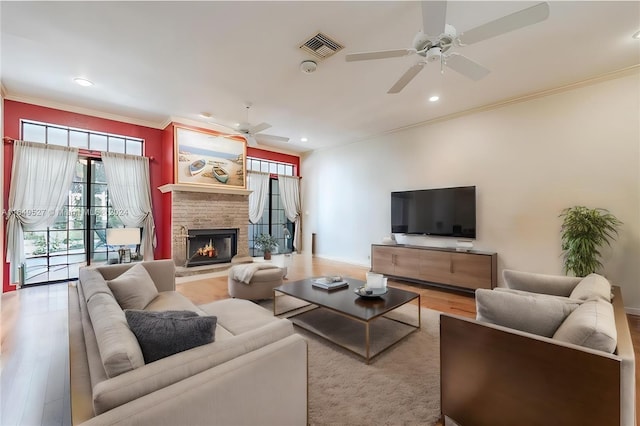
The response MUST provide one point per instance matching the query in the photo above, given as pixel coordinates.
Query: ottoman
(260, 285)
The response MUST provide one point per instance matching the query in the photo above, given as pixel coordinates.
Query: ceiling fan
(435, 41)
(252, 133)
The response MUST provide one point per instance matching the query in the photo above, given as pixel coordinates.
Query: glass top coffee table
(364, 326)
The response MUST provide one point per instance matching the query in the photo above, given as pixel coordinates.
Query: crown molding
(634, 69)
(3, 91)
(624, 72)
(82, 110)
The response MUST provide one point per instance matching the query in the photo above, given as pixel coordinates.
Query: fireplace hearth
(209, 246)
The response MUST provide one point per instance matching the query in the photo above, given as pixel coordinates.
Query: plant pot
(267, 255)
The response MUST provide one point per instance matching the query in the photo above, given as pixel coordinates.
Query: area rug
(401, 386)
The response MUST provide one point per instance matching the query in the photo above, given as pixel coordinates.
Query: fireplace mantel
(171, 187)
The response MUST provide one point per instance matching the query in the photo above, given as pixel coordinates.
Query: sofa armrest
(172, 369)
(492, 375)
(556, 285)
(267, 386)
(624, 350)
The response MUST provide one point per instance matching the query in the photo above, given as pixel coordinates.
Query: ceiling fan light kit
(249, 132)
(437, 38)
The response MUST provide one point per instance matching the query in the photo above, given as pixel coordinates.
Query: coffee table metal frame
(324, 298)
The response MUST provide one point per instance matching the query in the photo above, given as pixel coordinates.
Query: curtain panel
(130, 192)
(258, 183)
(290, 195)
(41, 176)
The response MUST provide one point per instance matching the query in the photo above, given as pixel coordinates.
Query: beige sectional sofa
(545, 350)
(254, 372)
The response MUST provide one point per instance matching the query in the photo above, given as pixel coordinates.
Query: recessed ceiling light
(636, 35)
(303, 139)
(434, 98)
(237, 124)
(205, 114)
(83, 82)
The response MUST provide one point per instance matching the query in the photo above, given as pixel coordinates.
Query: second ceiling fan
(252, 134)
(434, 43)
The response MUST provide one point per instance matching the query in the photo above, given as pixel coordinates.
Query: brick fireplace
(199, 211)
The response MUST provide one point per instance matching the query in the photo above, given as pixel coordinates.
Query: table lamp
(123, 237)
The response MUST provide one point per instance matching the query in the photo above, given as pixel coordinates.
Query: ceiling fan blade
(522, 18)
(381, 54)
(251, 141)
(259, 127)
(466, 67)
(406, 78)
(271, 138)
(433, 17)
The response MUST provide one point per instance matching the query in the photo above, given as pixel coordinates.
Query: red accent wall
(158, 144)
(154, 147)
(275, 156)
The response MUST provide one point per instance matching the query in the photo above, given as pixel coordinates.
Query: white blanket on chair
(244, 273)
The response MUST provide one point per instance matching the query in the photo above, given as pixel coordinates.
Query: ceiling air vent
(321, 46)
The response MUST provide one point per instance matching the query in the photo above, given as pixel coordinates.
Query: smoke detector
(308, 67)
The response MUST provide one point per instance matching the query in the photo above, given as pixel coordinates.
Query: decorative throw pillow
(592, 325)
(165, 333)
(134, 289)
(592, 286)
(537, 315)
(539, 295)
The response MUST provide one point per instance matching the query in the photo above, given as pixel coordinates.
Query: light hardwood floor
(34, 382)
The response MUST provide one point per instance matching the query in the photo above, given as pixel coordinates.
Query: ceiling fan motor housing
(434, 54)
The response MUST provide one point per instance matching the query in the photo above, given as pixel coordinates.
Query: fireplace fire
(207, 246)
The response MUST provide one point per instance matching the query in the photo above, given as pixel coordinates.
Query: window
(33, 131)
(274, 220)
(78, 236)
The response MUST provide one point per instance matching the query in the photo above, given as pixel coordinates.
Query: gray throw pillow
(134, 289)
(165, 333)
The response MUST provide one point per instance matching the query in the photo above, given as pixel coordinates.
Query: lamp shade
(123, 236)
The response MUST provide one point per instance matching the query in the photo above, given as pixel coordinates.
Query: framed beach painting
(209, 158)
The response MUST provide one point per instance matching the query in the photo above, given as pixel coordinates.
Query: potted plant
(583, 232)
(267, 243)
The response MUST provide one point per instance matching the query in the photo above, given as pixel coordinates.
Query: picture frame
(125, 255)
(209, 158)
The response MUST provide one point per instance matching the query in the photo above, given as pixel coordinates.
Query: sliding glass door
(78, 236)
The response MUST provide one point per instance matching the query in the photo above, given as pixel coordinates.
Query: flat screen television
(444, 212)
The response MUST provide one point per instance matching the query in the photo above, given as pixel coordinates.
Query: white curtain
(258, 183)
(290, 195)
(41, 177)
(130, 191)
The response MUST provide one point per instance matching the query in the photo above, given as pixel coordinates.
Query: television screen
(446, 212)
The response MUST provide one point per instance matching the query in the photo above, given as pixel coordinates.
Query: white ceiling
(151, 61)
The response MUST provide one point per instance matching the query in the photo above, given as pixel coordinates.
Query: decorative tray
(370, 293)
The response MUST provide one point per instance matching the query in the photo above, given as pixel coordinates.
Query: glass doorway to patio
(78, 236)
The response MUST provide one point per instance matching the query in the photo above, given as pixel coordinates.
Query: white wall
(528, 160)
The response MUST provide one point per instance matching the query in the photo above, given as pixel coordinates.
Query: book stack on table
(330, 283)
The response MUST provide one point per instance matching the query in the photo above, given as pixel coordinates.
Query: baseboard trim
(632, 311)
(343, 260)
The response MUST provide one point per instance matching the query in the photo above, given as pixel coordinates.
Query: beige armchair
(496, 375)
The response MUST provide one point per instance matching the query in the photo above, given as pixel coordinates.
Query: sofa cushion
(92, 283)
(539, 295)
(164, 333)
(134, 289)
(557, 285)
(592, 286)
(591, 325)
(537, 315)
(119, 348)
(173, 301)
(239, 316)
